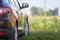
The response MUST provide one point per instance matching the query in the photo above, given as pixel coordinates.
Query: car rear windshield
(0, 2)
(4, 3)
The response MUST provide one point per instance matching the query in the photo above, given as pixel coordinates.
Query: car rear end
(6, 30)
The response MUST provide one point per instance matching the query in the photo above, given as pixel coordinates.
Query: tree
(48, 13)
(40, 11)
(34, 10)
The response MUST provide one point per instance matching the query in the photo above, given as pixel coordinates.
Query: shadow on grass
(41, 36)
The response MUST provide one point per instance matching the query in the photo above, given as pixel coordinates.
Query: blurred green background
(43, 28)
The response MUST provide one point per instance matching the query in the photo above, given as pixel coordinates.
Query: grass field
(43, 28)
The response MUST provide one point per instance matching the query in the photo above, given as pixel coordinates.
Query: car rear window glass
(4, 3)
(0, 2)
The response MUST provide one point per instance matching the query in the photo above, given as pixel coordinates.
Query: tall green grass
(44, 24)
(43, 28)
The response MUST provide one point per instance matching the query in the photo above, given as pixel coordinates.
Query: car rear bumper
(7, 33)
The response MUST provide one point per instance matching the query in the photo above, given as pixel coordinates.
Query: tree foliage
(34, 10)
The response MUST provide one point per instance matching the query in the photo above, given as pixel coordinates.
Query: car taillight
(2, 11)
(2, 33)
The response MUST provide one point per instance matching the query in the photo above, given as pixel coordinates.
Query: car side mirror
(24, 5)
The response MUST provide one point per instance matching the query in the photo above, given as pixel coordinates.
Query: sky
(49, 4)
